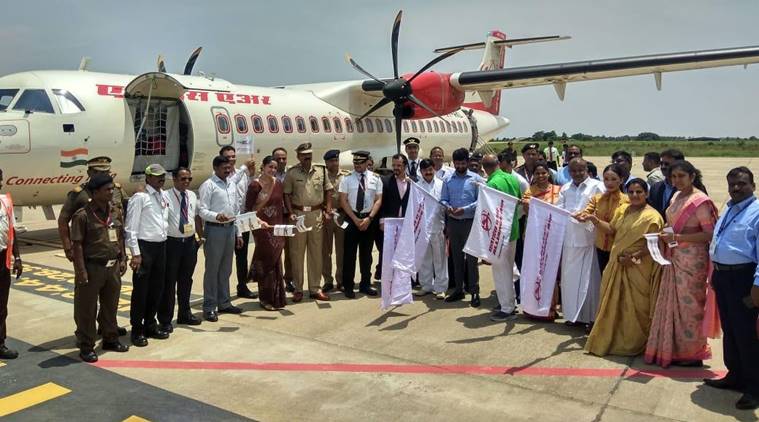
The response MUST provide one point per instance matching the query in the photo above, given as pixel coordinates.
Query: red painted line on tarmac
(532, 371)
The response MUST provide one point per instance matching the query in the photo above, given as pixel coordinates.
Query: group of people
(608, 282)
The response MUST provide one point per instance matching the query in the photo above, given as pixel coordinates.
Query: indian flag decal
(74, 157)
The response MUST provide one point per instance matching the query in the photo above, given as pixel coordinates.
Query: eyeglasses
(186, 179)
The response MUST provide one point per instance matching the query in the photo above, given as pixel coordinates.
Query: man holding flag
(433, 274)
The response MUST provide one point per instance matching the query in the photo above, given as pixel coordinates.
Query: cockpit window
(67, 102)
(34, 100)
(6, 96)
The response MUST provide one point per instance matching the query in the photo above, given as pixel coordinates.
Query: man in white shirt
(437, 155)
(240, 177)
(552, 155)
(185, 229)
(433, 276)
(580, 274)
(218, 205)
(411, 145)
(146, 226)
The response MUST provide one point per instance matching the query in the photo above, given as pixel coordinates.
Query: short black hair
(575, 146)
(622, 154)
(653, 157)
(436, 148)
(461, 154)
(638, 181)
(425, 164)
(220, 160)
(274, 151)
(402, 158)
(226, 148)
(676, 154)
(181, 169)
(732, 173)
(507, 155)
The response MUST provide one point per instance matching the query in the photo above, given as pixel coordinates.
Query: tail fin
(493, 58)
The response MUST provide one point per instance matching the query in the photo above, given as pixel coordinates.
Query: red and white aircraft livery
(51, 122)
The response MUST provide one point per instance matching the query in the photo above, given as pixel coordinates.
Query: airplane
(52, 121)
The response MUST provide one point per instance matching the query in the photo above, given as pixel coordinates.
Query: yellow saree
(628, 294)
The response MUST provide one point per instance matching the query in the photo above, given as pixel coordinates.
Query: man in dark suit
(395, 191)
(661, 192)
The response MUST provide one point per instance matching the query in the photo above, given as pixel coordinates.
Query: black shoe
(120, 330)
(116, 346)
(497, 307)
(415, 284)
(189, 319)
(139, 340)
(210, 316)
(6, 353)
(747, 402)
(167, 327)
(246, 293)
(231, 309)
(327, 287)
(724, 383)
(157, 333)
(454, 297)
(88, 356)
(349, 293)
(369, 291)
(688, 363)
(475, 302)
(289, 286)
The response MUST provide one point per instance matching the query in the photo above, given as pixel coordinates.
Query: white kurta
(580, 275)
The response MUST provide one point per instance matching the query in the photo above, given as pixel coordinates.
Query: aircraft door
(223, 126)
(14, 137)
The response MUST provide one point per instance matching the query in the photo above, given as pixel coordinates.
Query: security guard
(308, 191)
(97, 232)
(331, 230)
(77, 198)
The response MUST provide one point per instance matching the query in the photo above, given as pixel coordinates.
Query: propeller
(399, 90)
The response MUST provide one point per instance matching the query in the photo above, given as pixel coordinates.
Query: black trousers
(603, 259)
(464, 265)
(379, 243)
(359, 242)
(5, 289)
(241, 262)
(147, 286)
(182, 256)
(740, 342)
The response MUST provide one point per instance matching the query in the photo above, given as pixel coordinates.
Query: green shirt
(507, 183)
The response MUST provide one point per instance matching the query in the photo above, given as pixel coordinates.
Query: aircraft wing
(560, 74)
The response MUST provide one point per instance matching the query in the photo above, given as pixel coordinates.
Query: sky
(269, 43)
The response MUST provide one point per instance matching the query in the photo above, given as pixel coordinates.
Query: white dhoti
(503, 279)
(580, 283)
(433, 275)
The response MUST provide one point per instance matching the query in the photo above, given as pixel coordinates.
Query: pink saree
(683, 317)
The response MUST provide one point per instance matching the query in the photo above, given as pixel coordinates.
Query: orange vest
(7, 203)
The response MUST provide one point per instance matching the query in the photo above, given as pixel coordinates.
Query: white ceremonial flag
(491, 228)
(415, 236)
(396, 284)
(652, 241)
(544, 237)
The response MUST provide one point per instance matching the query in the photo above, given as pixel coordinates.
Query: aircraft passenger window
(34, 100)
(405, 126)
(448, 126)
(326, 125)
(388, 126)
(421, 127)
(466, 127)
(300, 124)
(442, 127)
(273, 124)
(241, 123)
(461, 129)
(314, 124)
(429, 126)
(437, 128)
(413, 127)
(359, 126)
(67, 102)
(455, 129)
(287, 124)
(222, 123)
(369, 126)
(258, 123)
(6, 96)
(338, 125)
(379, 125)
(348, 125)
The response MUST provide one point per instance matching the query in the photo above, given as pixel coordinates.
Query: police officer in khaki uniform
(308, 192)
(97, 232)
(77, 198)
(331, 230)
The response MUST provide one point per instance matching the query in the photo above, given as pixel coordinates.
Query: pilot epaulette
(78, 189)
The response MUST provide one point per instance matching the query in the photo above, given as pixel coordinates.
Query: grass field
(638, 148)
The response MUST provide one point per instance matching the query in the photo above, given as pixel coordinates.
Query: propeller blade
(435, 61)
(383, 102)
(421, 104)
(356, 66)
(398, 135)
(394, 42)
(191, 61)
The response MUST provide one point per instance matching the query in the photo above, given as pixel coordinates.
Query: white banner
(491, 228)
(415, 235)
(544, 237)
(396, 284)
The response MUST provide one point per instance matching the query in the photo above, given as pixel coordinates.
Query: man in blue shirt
(660, 193)
(735, 253)
(459, 196)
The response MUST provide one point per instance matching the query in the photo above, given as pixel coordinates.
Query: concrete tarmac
(341, 360)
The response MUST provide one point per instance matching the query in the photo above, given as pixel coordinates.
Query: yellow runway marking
(30, 397)
(134, 418)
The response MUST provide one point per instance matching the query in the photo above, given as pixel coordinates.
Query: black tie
(183, 212)
(360, 195)
(412, 173)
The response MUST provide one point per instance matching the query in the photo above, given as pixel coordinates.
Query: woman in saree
(603, 206)
(678, 331)
(265, 197)
(630, 280)
(542, 188)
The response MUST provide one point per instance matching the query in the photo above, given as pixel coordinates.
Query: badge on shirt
(188, 228)
(112, 235)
